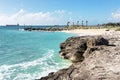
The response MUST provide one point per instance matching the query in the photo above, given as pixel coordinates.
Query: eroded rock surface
(74, 47)
(101, 61)
(102, 64)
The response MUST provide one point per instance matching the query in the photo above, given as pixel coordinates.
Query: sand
(88, 31)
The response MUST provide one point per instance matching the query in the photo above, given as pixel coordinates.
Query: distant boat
(12, 25)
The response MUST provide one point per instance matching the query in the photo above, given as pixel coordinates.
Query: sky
(58, 12)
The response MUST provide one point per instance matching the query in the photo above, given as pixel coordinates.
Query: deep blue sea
(28, 55)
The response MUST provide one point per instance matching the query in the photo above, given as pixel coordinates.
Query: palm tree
(82, 23)
(86, 23)
(73, 24)
(68, 24)
(77, 23)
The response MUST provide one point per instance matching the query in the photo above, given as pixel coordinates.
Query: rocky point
(93, 57)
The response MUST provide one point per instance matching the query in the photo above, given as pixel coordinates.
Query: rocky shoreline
(46, 29)
(93, 57)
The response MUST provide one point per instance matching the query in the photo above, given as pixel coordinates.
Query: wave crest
(33, 69)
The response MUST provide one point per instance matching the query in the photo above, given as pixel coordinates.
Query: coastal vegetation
(112, 24)
(98, 26)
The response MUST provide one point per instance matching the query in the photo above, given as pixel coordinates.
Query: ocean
(28, 55)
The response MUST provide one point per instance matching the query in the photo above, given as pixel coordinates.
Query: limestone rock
(95, 59)
(74, 47)
(102, 64)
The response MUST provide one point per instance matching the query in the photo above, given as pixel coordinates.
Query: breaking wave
(30, 70)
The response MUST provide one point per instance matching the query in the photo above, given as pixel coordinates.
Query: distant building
(12, 25)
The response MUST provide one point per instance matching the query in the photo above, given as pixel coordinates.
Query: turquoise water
(30, 55)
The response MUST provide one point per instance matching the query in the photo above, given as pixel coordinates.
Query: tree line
(111, 24)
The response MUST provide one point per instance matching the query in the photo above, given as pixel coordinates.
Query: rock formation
(46, 29)
(94, 57)
(102, 64)
(74, 47)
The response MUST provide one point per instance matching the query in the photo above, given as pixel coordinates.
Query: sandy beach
(88, 31)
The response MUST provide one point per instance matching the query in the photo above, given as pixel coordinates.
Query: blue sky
(36, 12)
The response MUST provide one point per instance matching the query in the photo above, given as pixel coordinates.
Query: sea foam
(29, 55)
(7, 71)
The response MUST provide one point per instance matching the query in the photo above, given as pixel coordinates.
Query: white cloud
(38, 18)
(60, 12)
(116, 15)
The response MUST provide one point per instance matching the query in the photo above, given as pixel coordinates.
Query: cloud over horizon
(38, 18)
(116, 15)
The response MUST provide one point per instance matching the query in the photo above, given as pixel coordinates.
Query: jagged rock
(101, 60)
(91, 42)
(88, 52)
(102, 64)
(73, 48)
(50, 75)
